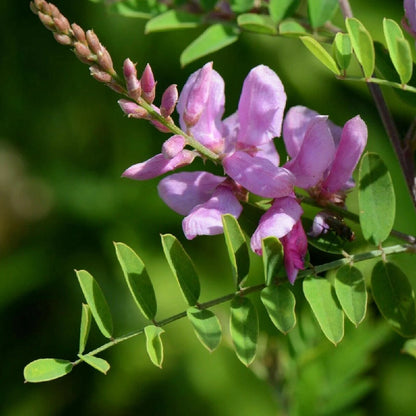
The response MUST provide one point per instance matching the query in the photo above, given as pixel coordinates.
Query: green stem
(355, 258)
(380, 81)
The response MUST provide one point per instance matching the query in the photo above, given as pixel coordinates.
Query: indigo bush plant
(289, 206)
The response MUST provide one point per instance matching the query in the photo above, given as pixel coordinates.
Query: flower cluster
(322, 159)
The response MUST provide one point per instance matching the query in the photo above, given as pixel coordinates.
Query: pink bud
(130, 75)
(148, 84)
(173, 146)
(54, 11)
(62, 39)
(169, 99)
(198, 96)
(100, 75)
(83, 52)
(105, 61)
(93, 41)
(47, 21)
(79, 33)
(132, 109)
(62, 24)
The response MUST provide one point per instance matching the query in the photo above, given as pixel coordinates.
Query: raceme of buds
(169, 99)
(130, 75)
(132, 109)
(148, 84)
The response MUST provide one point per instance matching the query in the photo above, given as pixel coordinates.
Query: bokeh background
(64, 143)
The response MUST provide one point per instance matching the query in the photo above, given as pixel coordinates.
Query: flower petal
(208, 128)
(261, 106)
(295, 246)
(205, 219)
(259, 175)
(158, 165)
(410, 11)
(315, 155)
(185, 190)
(350, 148)
(278, 220)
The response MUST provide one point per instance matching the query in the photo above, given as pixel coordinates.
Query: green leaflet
(290, 28)
(84, 327)
(173, 20)
(154, 344)
(362, 44)
(394, 297)
(320, 53)
(241, 6)
(216, 37)
(280, 9)
(279, 302)
(137, 280)
(46, 369)
(206, 326)
(244, 329)
(236, 247)
(320, 11)
(257, 23)
(96, 301)
(376, 199)
(351, 293)
(399, 50)
(182, 268)
(142, 9)
(320, 295)
(95, 362)
(272, 258)
(342, 49)
(409, 347)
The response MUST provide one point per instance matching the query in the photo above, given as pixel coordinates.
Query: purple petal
(205, 219)
(208, 129)
(259, 175)
(351, 146)
(315, 155)
(173, 146)
(294, 128)
(158, 165)
(268, 151)
(278, 220)
(261, 106)
(410, 11)
(183, 191)
(295, 246)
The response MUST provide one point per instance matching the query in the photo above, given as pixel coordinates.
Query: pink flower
(410, 14)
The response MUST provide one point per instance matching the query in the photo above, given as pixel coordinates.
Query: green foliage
(321, 297)
(96, 362)
(182, 268)
(244, 329)
(320, 11)
(97, 302)
(172, 20)
(376, 199)
(84, 327)
(46, 369)
(394, 297)
(241, 6)
(272, 258)
(236, 247)
(280, 9)
(257, 23)
(206, 326)
(143, 9)
(137, 280)
(342, 50)
(154, 346)
(290, 28)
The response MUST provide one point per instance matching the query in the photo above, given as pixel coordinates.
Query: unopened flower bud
(93, 41)
(130, 75)
(115, 86)
(105, 61)
(54, 11)
(148, 85)
(161, 127)
(44, 7)
(38, 4)
(33, 7)
(173, 146)
(79, 33)
(47, 21)
(198, 96)
(61, 23)
(169, 99)
(132, 109)
(100, 75)
(62, 39)
(82, 51)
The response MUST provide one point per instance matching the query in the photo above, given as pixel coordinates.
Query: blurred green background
(63, 145)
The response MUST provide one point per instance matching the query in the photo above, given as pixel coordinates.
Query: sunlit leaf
(257, 23)
(399, 48)
(351, 293)
(394, 297)
(216, 37)
(244, 329)
(362, 44)
(137, 8)
(409, 347)
(342, 49)
(137, 279)
(85, 327)
(241, 6)
(279, 302)
(236, 247)
(376, 199)
(95, 362)
(173, 20)
(182, 268)
(96, 301)
(321, 297)
(206, 326)
(46, 369)
(291, 28)
(154, 344)
(320, 11)
(280, 9)
(320, 53)
(272, 258)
